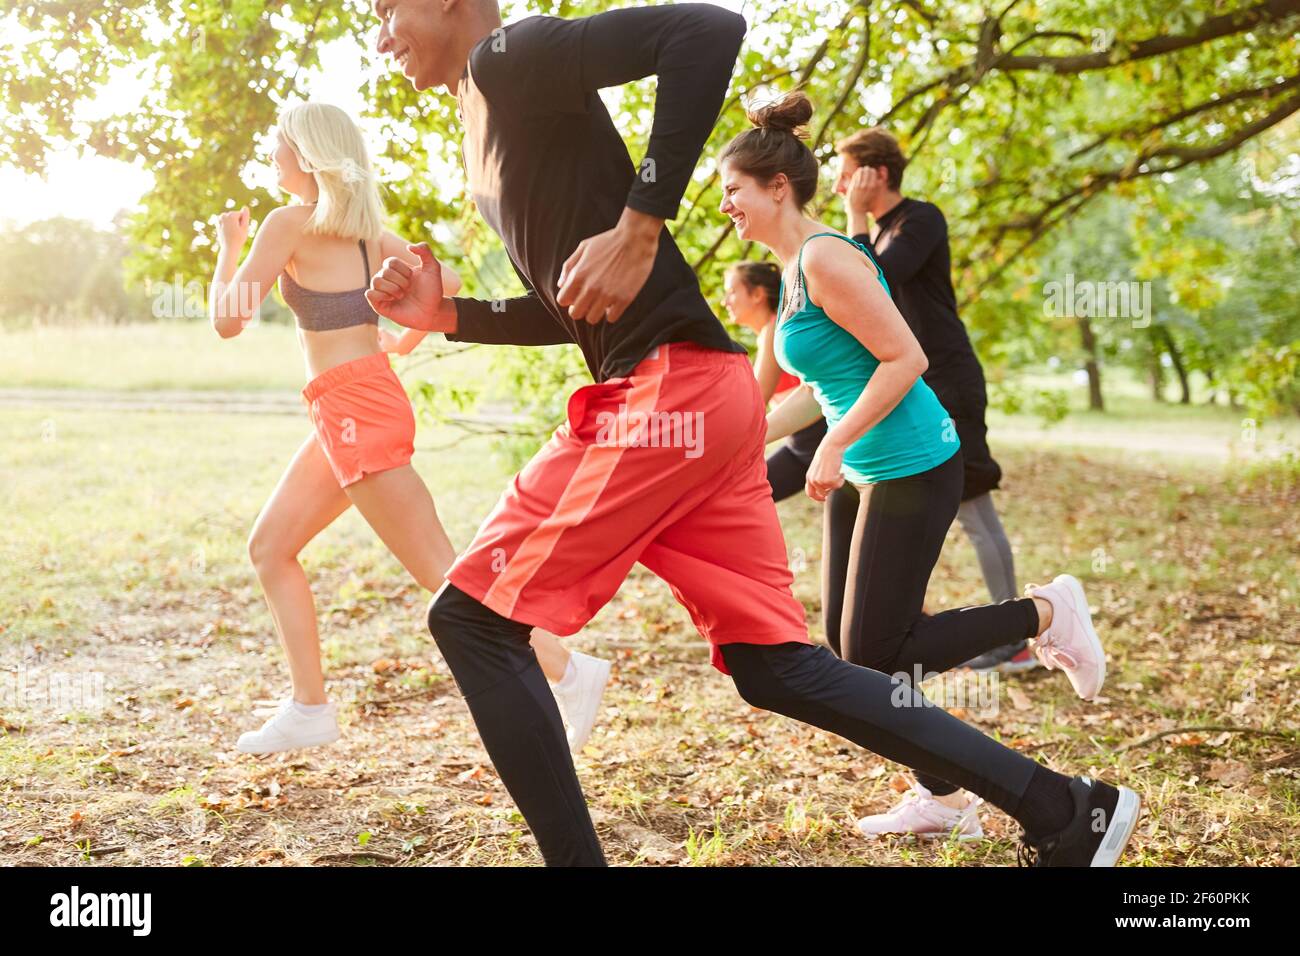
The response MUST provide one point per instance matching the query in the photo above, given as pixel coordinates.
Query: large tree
(1017, 114)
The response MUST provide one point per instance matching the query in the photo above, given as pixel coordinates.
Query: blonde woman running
(323, 249)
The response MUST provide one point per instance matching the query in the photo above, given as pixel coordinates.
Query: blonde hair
(329, 145)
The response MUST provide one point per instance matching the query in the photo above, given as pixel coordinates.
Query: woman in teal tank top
(915, 435)
(889, 468)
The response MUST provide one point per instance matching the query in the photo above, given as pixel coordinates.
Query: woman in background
(890, 472)
(750, 292)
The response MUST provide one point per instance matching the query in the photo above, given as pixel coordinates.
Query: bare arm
(238, 290)
(843, 282)
(766, 369)
(799, 410)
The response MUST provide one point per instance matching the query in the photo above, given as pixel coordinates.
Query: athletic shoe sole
(992, 660)
(947, 834)
(1081, 603)
(1120, 830)
(1017, 667)
(316, 741)
(595, 682)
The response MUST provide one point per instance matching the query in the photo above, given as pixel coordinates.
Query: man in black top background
(910, 240)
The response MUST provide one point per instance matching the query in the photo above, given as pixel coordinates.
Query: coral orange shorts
(663, 467)
(363, 419)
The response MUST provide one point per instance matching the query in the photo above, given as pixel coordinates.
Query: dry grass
(1192, 576)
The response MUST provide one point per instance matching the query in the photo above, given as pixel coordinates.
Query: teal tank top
(915, 437)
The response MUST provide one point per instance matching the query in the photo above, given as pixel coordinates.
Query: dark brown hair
(775, 145)
(761, 275)
(876, 147)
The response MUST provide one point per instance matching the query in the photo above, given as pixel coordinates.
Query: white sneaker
(924, 816)
(289, 729)
(579, 694)
(1070, 642)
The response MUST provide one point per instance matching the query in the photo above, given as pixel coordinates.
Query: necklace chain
(792, 304)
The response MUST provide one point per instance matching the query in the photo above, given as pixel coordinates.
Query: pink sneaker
(921, 814)
(1070, 643)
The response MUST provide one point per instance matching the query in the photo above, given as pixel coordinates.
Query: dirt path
(1179, 443)
(265, 403)
(1182, 443)
(194, 401)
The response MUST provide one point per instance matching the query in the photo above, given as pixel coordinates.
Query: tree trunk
(1091, 364)
(1156, 372)
(1177, 357)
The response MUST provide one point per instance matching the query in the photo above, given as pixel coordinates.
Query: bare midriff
(322, 351)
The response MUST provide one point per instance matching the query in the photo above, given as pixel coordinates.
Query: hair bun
(789, 114)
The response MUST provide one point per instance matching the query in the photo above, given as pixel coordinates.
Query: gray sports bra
(325, 311)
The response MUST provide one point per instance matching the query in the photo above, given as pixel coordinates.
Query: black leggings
(787, 467)
(520, 724)
(880, 544)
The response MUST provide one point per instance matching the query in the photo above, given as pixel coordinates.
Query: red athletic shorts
(664, 466)
(364, 422)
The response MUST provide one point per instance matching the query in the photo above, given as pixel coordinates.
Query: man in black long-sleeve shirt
(584, 229)
(910, 241)
(550, 174)
(633, 474)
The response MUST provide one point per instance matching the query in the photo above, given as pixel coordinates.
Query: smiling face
(753, 207)
(418, 35)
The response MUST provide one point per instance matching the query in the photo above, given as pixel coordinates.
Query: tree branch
(1238, 21)
(1256, 91)
(928, 18)
(303, 49)
(1096, 183)
(1049, 33)
(848, 87)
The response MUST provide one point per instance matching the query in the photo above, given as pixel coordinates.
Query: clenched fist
(413, 295)
(232, 228)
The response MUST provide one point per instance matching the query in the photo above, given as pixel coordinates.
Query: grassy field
(1158, 430)
(176, 355)
(122, 560)
(187, 356)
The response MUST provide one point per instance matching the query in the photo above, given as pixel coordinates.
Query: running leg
(979, 519)
(519, 721)
(304, 503)
(890, 718)
(900, 531)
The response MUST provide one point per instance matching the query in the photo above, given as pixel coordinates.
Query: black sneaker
(1104, 819)
(1007, 659)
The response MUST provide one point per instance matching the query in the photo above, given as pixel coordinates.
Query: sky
(86, 186)
(94, 188)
